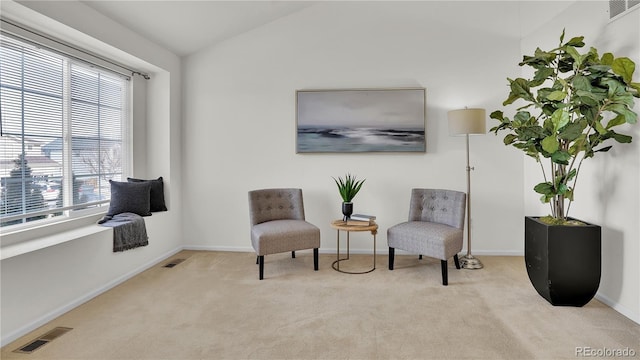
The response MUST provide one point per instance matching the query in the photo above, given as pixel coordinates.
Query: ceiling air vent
(618, 7)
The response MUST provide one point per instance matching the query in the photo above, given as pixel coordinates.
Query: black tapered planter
(563, 262)
(347, 210)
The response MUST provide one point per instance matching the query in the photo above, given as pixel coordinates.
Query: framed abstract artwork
(360, 120)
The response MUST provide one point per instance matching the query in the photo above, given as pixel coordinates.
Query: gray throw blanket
(129, 231)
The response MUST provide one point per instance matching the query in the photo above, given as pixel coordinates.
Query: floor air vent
(43, 340)
(173, 263)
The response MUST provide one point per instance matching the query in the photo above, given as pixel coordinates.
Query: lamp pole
(464, 122)
(469, 261)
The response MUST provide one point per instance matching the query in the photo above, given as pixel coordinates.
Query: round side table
(341, 225)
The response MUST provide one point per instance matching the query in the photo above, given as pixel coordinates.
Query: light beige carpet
(212, 306)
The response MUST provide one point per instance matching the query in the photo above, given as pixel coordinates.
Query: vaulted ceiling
(185, 27)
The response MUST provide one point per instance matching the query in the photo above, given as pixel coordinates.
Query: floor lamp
(465, 122)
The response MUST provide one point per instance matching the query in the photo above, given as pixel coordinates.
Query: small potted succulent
(348, 188)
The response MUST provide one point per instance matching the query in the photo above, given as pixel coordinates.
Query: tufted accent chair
(435, 227)
(278, 225)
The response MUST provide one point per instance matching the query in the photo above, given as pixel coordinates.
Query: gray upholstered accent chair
(435, 227)
(278, 224)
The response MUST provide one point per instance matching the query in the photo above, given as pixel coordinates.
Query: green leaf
(512, 97)
(616, 108)
(592, 56)
(599, 128)
(550, 144)
(520, 89)
(575, 55)
(541, 59)
(599, 68)
(562, 188)
(545, 56)
(625, 98)
(576, 41)
(590, 113)
(590, 98)
(607, 59)
(510, 139)
(545, 188)
(572, 131)
(623, 139)
(557, 96)
(621, 109)
(582, 83)
(542, 75)
(614, 86)
(578, 145)
(522, 117)
(561, 157)
(618, 120)
(630, 116)
(624, 67)
(498, 115)
(560, 118)
(526, 133)
(604, 149)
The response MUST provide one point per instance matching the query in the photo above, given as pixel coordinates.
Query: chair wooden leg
(445, 280)
(456, 260)
(419, 257)
(392, 253)
(293, 254)
(315, 259)
(261, 264)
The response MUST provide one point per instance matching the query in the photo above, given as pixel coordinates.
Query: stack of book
(361, 220)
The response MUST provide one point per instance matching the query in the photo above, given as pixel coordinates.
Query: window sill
(23, 242)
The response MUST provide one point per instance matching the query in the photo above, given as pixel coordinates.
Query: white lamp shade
(467, 121)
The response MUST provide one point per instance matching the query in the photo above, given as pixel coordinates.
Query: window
(618, 7)
(62, 133)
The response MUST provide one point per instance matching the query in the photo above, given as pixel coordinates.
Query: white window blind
(63, 133)
(618, 7)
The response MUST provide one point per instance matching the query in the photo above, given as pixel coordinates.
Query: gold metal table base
(341, 225)
(336, 266)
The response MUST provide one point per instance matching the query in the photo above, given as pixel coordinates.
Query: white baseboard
(250, 249)
(379, 251)
(632, 315)
(14, 335)
(495, 252)
(218, 248)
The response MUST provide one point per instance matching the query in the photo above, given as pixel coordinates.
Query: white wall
(41, 285)
(239, 117)
(607, 190)
(239, 134)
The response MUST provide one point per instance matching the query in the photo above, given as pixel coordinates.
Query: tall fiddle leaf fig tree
(569, 110)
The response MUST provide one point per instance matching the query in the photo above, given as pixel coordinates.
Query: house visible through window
(62, 133)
